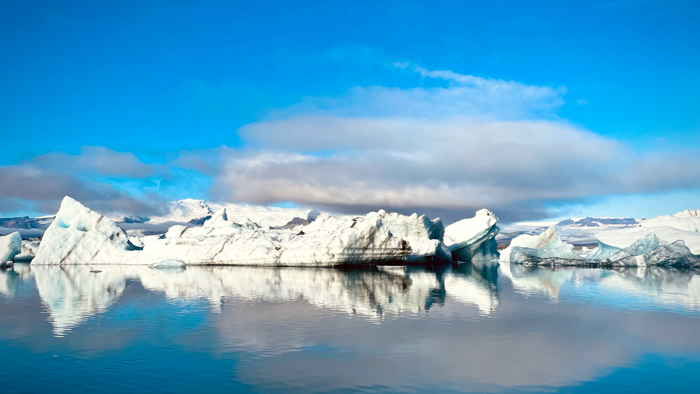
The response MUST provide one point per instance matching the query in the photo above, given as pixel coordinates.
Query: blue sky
(534, 109)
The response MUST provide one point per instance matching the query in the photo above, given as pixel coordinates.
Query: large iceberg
(473, 239)
(10, 246)
(81, 236)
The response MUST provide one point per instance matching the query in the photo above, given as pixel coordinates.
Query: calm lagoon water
(287, 330)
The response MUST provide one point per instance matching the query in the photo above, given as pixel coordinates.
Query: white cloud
(449, 150)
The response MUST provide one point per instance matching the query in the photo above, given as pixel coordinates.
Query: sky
(533, 109)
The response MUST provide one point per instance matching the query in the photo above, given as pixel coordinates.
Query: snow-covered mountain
(194, 212)
(598, 222)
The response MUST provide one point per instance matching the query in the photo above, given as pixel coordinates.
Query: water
(286, 330)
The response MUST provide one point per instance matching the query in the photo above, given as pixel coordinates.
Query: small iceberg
(10, 246)
(168, 264)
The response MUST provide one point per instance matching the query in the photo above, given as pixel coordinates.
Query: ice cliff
(81, 236)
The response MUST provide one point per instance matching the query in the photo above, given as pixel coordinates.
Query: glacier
(687, 221)
(81, 236)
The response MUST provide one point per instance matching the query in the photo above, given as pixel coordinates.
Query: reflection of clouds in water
(296, 328)
(72, 294)
(534, 344)
(665, 287)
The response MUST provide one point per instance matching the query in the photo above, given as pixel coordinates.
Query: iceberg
(168, 264)
(473, 239)
(646, 251)
(546, 245)
(81, 236)
(651, 251)
(10, 246)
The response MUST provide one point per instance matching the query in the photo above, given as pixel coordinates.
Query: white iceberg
(651, 251)
(474, 238)
(168, 264)
(81, 236)
(10, 246)
(546, 245)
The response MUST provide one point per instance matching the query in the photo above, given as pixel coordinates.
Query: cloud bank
(443, 150)
(40, 184)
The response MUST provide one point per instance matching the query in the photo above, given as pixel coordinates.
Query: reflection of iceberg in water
(668, 287)
(665, 287)
(475, 284)
(10, 279)
(536, 280)
(72, 294)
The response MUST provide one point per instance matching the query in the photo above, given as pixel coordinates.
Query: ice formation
(10, 246)
(168, 264)
(548, 244)
(650, 251)
(474, 238)
(81, 236)
(647, 249)
(29, 249)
